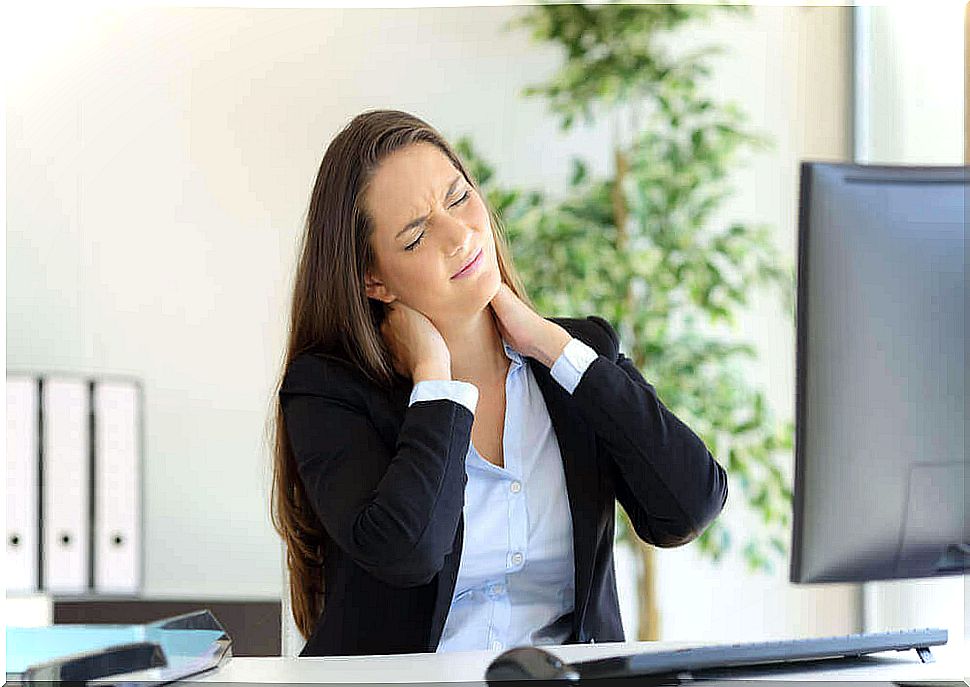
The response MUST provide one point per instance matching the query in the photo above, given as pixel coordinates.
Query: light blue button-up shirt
(515, 578)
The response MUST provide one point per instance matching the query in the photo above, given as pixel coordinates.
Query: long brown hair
(330, 312)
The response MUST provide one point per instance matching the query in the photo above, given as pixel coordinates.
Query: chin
(486, 289)
(493, 283)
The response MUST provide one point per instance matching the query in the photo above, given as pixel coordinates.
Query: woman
(447, 460)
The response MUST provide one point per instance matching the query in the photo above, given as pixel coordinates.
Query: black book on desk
(669, 667)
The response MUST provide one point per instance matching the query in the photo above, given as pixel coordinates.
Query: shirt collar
(512, 354)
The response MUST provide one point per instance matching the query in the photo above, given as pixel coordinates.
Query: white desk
(469, 666)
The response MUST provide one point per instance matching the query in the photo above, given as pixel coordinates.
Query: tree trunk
(619, 204)
(649, 615)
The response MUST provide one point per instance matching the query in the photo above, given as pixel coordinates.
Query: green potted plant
(640, 249)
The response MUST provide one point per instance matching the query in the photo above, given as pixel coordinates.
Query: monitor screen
(880, 392)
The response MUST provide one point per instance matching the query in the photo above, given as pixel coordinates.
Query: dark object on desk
(97, 664)
(528, 662)
(533, 663)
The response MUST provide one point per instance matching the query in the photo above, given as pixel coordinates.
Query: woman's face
(428, 223)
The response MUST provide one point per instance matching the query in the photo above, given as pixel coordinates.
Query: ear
(374, 288)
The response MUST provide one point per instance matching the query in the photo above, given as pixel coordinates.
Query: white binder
(117, 516)
(65, 516)
(22, 530)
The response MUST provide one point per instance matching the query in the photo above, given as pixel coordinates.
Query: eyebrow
(419, 220)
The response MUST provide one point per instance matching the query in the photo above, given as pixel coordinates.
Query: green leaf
(579, 172)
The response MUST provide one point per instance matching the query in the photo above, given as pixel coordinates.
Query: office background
(159, 164)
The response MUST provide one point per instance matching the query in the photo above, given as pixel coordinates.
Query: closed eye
(418, 240)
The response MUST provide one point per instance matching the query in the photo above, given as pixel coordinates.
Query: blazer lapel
(576, 444)
(447, 578)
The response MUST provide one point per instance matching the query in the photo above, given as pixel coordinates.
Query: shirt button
(496, 644)
(515, 487)
(516, 558)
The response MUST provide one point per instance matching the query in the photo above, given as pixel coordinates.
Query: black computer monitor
(880, 393)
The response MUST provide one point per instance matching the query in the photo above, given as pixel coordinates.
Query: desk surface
(950, 665)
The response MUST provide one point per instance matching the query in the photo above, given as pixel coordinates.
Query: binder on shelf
(117, 487)
(22, 556)
(65, 479)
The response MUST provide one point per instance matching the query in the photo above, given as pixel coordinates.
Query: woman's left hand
(527, 331)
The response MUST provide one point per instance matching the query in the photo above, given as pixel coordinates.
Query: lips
(473, 258)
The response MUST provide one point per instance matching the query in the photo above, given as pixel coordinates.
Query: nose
(460, 235)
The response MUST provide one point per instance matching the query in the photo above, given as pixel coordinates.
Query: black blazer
(387, 482)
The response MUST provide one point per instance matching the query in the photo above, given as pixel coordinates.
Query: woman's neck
(477, 353)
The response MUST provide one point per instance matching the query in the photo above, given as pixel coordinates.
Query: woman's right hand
(416, 345)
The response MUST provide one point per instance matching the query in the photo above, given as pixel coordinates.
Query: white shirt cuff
(569, 367)
(456, 390)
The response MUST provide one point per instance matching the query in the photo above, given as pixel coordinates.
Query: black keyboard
(686, 661)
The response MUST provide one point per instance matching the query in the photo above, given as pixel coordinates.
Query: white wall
(159, 166)
(910, 86)
(912, 101)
